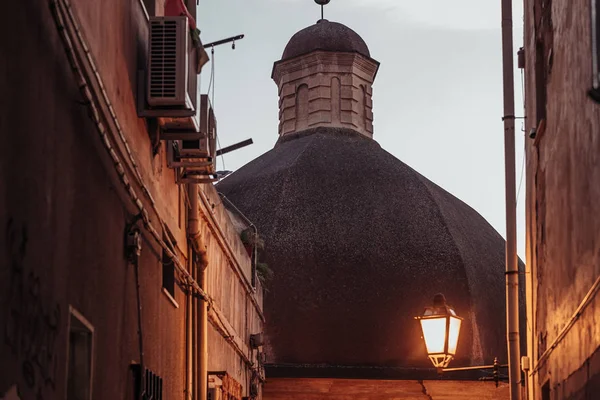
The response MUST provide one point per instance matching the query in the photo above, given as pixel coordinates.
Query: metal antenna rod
(322, 3)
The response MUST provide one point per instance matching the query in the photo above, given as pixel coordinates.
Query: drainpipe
(189, 322)
(199, 249)
(195, 355)
(203, 345)
(512, 269)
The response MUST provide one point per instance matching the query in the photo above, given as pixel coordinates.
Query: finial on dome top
(322, 3)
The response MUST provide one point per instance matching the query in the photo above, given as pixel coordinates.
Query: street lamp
(441, 328)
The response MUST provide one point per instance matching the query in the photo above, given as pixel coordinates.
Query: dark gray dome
(359, 243)
(327, 36)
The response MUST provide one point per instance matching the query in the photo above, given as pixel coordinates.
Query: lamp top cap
(439, 300)
(322, 2)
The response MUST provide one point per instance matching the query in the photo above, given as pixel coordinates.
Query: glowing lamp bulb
(441, 329)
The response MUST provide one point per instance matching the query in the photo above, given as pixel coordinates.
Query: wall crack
(424, 389)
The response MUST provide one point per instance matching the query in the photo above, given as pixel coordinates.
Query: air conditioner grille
(163, 59)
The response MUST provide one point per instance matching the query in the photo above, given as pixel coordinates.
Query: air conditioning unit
(167, 73)
(191, 156)
(205, 145)
(200, 146)
(195, 158)
(206, 114)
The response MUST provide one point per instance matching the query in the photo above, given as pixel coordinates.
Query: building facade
(119, 279)
(561, 57)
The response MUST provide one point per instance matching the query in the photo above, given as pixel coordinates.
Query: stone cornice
(325, 61)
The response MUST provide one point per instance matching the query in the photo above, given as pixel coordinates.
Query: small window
(168, 267)
(169, 281)
(80, 355)
(546, 391)
(302, 107)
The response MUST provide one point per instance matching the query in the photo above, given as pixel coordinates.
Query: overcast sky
(437, 96)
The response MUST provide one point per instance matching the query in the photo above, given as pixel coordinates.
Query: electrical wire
(222, 156)
(211, 86)
(61, 10)
(138, 294)
(522, 176)
(591, 294)
(522, 130)
(528, 322)
(223, 244)
(67, 10)
(212, 72)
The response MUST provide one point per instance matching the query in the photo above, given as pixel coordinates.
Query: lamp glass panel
(453, 334)
(434, 333)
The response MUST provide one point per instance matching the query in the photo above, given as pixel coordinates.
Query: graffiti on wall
(32, 327)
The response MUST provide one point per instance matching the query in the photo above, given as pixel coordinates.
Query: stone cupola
(325, 79)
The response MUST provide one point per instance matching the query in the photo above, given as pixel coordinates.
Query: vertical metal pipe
(512, 270)
(136, 266)
(203, 348)
(200, 250)
(195, 365)
(189, 298)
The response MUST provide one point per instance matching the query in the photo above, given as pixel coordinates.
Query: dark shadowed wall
(563, 193)
(64, 212)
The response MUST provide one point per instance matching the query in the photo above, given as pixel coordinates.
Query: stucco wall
(563, 228)
(63, 214)
(237, 305)
(341, 389)
(62, 219)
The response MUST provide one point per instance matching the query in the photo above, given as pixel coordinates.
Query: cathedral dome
(359, 243)
(326, 36)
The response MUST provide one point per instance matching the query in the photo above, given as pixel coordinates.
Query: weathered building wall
(357, 389)
(563, 193)
(64, 213)
(236, 311)
(63, 220)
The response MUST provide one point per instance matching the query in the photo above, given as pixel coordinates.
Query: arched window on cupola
(302, 107)
(336, 97)
(362, 107)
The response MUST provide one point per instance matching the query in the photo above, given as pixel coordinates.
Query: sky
(437, 96)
